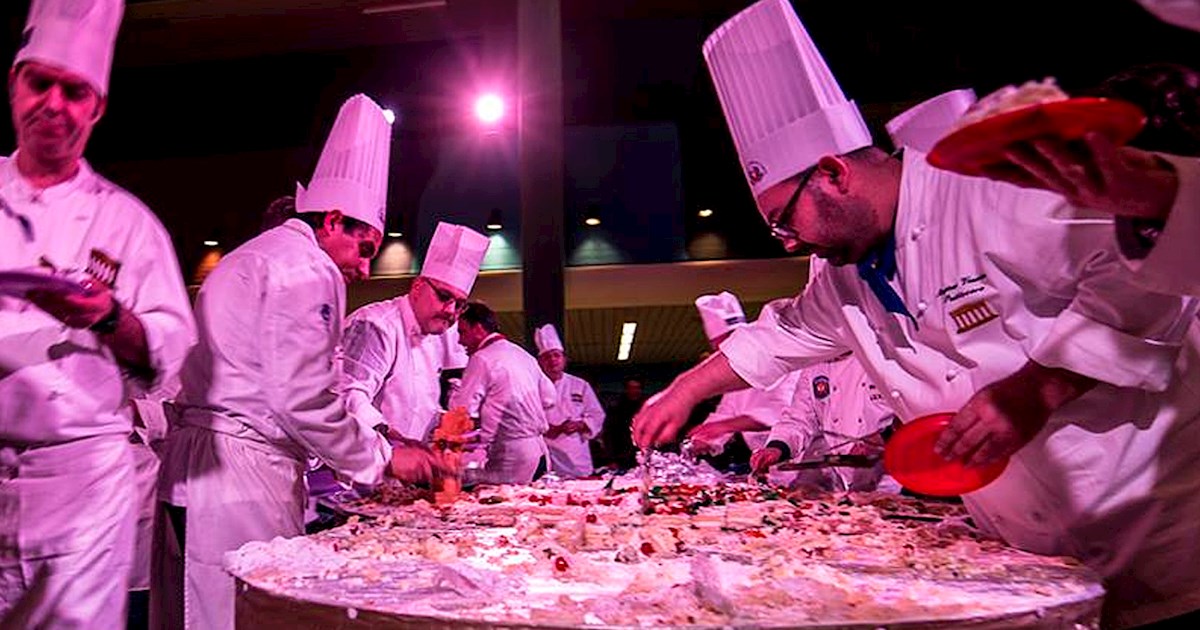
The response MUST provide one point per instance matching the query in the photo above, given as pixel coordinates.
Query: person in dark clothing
(617, 440)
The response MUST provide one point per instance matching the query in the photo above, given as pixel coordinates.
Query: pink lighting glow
(489, 108)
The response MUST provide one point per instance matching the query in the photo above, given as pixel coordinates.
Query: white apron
(66, 534)
(513, 460)
(238, 490)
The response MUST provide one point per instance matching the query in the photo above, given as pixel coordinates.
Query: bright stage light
(489, 108)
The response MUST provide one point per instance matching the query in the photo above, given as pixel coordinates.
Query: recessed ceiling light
(494, 223)
(625, 346)
(705, 213)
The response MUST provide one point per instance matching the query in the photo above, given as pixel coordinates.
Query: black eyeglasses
(366, 249)
(446, 297)
(781, 228)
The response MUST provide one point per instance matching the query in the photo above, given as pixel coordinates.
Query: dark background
(215, 113)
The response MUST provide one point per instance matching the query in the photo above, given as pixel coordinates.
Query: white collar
(13, 183)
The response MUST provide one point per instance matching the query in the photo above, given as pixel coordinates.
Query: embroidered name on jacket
(965, 287)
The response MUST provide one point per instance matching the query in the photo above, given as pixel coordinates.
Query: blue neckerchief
(876, 268)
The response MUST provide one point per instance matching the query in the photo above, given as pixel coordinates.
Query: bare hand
(660, 419)
(76, 310)
(572, 427)
(415, 464)
(472, 440)
(764, 458)
(995, 423)
(708, 438)
(1093, 174)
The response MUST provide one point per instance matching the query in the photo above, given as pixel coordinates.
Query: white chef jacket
(1181, 13)
(67, 498)
(570, 455)
(994, 276)
(62, 377)
(392, 371)
(1173, 264)
(270, 317)
(834, 403)
(505, 388)
(259, 396)
(764, 405)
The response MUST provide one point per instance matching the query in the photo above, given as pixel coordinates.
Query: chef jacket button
(917, 232)
(896, 394)
(922, 306)
(951, 374)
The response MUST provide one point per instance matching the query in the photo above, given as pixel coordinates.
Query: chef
(260, 390)
(1155, 196)
(1006, 305)
(749, 412)
(836, 410)
(504, 389)
(576, 417)
(1181, 13)
(394, 351)
(923, 124)
(71, 358)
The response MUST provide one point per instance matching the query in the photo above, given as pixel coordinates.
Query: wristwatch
(108, 324)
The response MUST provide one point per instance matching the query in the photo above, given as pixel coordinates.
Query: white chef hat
(1182, 13)
(546, 339)
(352, 173)
(76, 35)
(923, 124)
(783, 106)
(454, 256)
(720, 313)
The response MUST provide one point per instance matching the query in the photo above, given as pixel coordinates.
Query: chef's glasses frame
(781, 228)
(445, 297)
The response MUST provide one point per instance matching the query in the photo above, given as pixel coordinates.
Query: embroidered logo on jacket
(821, 388)
(103, 268)
(756, 172)
(973, 315)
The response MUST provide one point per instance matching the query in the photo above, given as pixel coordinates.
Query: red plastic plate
(970, 149)
(911, 460)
